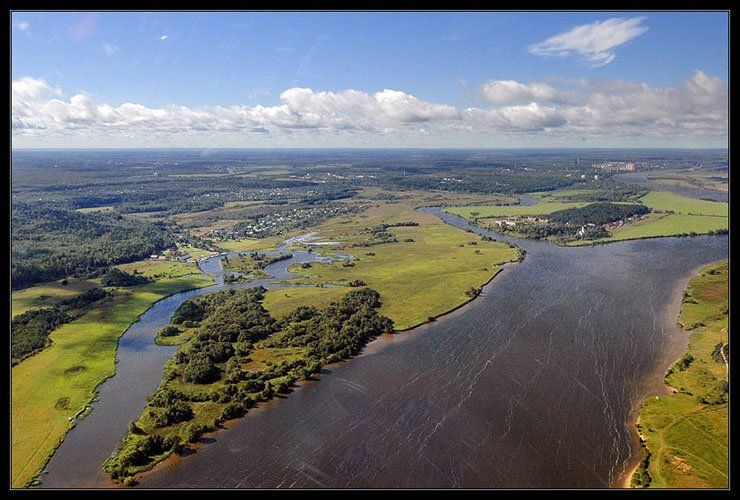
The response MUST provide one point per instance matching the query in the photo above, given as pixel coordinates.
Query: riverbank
(656, 380)
(51, 390)
(684, 434)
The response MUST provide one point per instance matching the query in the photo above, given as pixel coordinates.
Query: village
(589, 230)
(278, 223)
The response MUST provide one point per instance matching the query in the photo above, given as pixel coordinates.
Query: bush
(169, 331)
(116, 277)
(174, 413)
(200, 370)
(152, 445)
(194, 431)
(190, 310)
(165, 397)
(232, 411)
(131, 457)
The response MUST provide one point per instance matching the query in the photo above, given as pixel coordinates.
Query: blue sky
(202, 60)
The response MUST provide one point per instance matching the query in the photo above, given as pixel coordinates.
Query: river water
(533, 384)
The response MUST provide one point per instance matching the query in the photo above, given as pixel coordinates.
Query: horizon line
(132, 148)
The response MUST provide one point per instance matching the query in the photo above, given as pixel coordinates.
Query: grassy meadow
(252, 244)
(49, 389)
(686, 433)
(665, 201)
(47, 294)
(425, 273)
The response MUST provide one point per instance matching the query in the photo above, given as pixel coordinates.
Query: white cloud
(697, 105)
(21, 25)
(510, 91)
(110, 48)
(531, 117)
(691, 111)
(593, 42)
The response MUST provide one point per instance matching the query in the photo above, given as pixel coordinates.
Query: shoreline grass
(685, 434)
(51, 390)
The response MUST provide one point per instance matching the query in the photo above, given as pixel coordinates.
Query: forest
(51, 243)
(597, 213)
(215, 376)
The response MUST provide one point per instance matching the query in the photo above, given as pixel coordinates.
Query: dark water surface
(530, 385)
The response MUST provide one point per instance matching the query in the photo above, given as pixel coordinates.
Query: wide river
(533, 384)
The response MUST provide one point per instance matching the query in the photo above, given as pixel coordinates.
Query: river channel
(534, 384)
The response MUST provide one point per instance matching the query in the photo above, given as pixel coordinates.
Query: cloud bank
(693, 111)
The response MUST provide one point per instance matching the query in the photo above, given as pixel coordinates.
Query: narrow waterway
(139, 363)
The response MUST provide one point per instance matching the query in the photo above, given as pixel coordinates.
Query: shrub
(169, 331)
(194, 431)
(232, 411)
(190, 310)
(176, 412)
(116, 277)
(200, 370)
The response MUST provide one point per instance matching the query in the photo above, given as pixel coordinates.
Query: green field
(50, 389)
(232, 204)
(656, 225)
(686, 432)
(663, 200)
(689, 215)
(47, 294)
(416, 279)
(252, 244)
(282, 301)
(197, 253)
